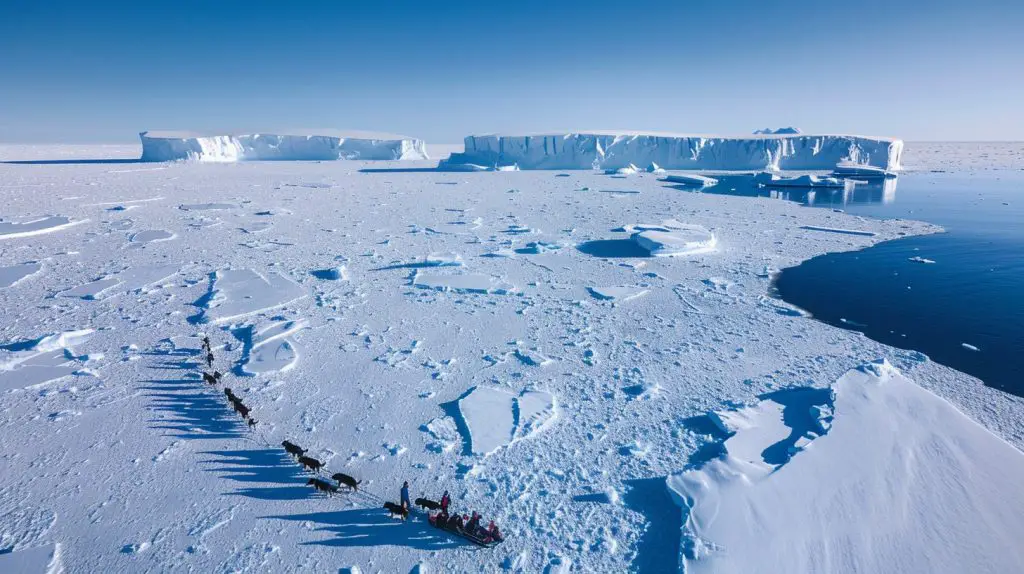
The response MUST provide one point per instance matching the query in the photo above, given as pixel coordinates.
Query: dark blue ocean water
(973, 293)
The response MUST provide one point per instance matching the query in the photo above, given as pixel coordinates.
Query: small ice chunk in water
(969, 347)
(690, 180)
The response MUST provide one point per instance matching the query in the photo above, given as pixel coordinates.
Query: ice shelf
(615, 150)
(318, 145)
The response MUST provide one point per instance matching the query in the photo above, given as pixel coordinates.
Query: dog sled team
(467, 526)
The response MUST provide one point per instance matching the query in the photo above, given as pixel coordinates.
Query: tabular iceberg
(615, 150)
(321, 145)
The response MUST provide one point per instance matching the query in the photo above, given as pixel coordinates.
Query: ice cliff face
(609, 150)
(169, 146)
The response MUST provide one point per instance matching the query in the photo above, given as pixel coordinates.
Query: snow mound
(672, 238)
(29, 226)
(235, 293)
(323, 145)
(884, 477)
(29, 363)
(496, 419)
(620, 150)
(43, 559)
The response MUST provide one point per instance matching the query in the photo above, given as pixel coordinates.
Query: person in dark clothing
(405, 496)
(474, 521)
(445, 501)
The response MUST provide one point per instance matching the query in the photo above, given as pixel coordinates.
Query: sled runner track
(369, 498)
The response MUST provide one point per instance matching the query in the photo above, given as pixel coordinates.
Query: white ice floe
(206, 206)
(41, 361)
(615, 150)
(13, 274)
(271, 348)
(890, 479)
(152, 236)
(496, 418)
(673, 239)
(450, 259)
(690, 180)
(918, 259)
(466, 283)
(128, 280)
(768, 179)
(621, 293)
(28, 226)
(318, 145)
(235, 293)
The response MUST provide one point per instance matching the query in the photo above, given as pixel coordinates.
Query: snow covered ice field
(499, 335)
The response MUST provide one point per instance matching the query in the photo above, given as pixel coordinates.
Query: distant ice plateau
(308, 146)
(609, 150)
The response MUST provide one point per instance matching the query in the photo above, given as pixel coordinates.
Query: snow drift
(879, 476)
(616, 150)
(322, 145)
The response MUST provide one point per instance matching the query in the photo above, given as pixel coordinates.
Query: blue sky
(103, 71)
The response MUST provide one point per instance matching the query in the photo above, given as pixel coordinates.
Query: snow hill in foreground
(616, 150)
(321, 145)
(884, 477)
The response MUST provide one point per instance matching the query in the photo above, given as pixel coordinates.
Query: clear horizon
(77, 73)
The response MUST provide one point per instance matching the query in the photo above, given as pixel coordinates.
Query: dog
(347, 481)
(292, 449)
(209, 359)
(230, 395)
(241, 409)
(311, 463)
(428, 504)
(206, 344)
(396, 510)
(212, 379)
(323, 486)
(251, 422)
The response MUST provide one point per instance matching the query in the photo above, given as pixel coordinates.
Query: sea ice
(496, 418)
(128, 280)
(769, 179)
(152, 235)
(29, 226)
(270, 349)
(617, 293)
(674, 239)
(466, 282)
(235, 293)
(11, 275)
(49, 358)
(690, 180)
